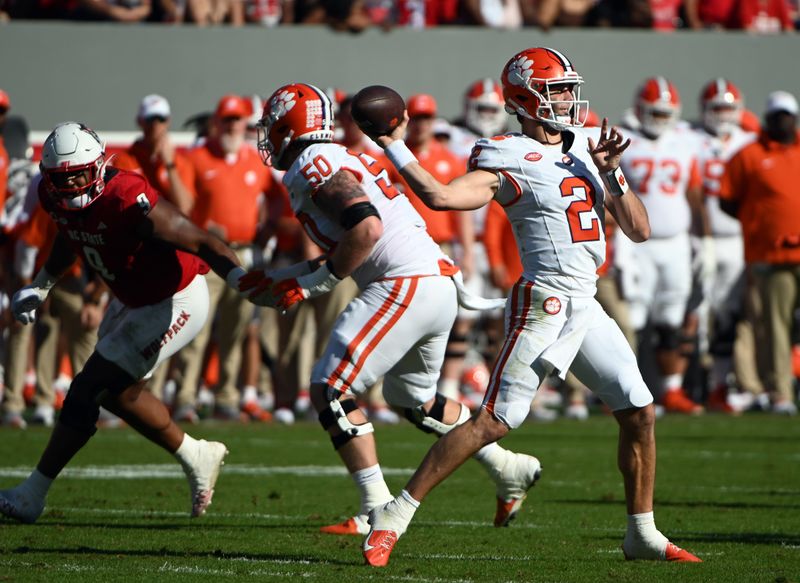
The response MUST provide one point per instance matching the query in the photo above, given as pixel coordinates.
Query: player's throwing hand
(607, 153)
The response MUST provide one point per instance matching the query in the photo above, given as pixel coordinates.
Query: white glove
(25, 303)
(28, 299)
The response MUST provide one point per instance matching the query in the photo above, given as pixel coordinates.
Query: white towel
(469, 301)
(563, 350)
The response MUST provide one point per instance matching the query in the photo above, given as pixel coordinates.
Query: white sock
(187, 452)
(36, 485)
(642, 539)
(249, 394)
(672, 382)
(449, 388)
(372, 487)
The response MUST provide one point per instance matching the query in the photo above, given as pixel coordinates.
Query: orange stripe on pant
(512, 334)
(348, 356)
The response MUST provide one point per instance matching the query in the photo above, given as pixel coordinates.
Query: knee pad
(336, 414)
(431, 421)
(667, 337)
(80, 410)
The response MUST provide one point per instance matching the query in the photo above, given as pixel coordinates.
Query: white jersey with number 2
(554, 200)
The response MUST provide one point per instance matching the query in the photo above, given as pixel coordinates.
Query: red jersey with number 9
(140, 271)
(553, 196)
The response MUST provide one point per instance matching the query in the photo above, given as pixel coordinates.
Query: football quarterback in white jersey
(721, 136)
(397, 327)
(661, 165)
(555, 181)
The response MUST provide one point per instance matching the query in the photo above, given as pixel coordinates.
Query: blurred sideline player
(152, 257)
(721, 137)
(662, 167)
(398, 325)
(553, 181)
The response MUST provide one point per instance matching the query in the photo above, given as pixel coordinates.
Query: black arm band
(356, 213)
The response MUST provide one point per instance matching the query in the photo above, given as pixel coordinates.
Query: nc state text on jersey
(91, 238)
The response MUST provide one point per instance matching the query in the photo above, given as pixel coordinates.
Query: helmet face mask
(658, 106)
(73, 166)
(294, 113)
(531, 81)
(722, 106)
(484, 108)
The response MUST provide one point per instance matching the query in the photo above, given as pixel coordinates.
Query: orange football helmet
(297, 112)
(527, 79)
(722, 104)
(658, 106)
(484, 108)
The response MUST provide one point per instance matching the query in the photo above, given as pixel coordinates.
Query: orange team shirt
(40, 232)
(500, 244)
(762, 178)
(228, 190)
(3, 174)
(444, 166)
(137, 159)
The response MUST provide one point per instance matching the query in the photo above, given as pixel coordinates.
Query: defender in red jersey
(152, 258)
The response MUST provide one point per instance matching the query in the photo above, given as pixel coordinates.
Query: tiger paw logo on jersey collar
(520, 71)
(552, 305)
(282, 104)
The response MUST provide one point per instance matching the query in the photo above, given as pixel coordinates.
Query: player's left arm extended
(165, 222)
(342, 199)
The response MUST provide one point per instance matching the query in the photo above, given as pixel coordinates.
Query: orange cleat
(677, 401)
(507, 510)
(256, 413)
(676, 554)
(349, 527)
(378, 546)
(718, 401)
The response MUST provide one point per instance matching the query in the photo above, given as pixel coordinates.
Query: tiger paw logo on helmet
(282, 104)
(520, 71)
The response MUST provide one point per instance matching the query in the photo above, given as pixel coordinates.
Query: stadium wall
(97, 73)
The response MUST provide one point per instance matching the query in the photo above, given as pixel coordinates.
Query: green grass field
(727, 489)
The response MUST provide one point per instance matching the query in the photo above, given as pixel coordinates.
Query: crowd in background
(714, 349)
(755, 16)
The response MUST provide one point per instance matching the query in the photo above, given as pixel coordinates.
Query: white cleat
(519, 474)
(14, 503)
(203, 472)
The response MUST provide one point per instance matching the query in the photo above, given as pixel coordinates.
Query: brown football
(377, 110)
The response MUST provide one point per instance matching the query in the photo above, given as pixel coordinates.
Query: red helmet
(484, 111)
(658, 106)
(295, 112)
(527, 79)
(69, 150)
(722, 104)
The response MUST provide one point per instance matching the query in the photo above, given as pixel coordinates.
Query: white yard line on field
(169, 471)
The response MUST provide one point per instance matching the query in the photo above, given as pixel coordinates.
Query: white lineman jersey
(660, 171)
(404, 248)
(554, 201)
(712, 156)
